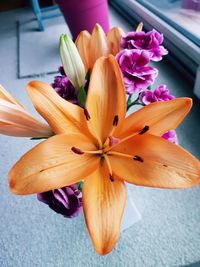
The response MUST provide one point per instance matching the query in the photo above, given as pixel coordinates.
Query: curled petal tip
(139, 27)
(82, 44)
(98, 45)
(114, 36)
(4, 94)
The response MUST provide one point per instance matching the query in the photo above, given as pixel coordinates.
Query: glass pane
(184, 15)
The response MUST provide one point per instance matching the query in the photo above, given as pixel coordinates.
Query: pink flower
(136, 75)
(161, 93)
(150, 41)
(171, 136)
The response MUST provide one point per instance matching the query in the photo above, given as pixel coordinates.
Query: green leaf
(38, 138)
(82, 96)
(80, 185)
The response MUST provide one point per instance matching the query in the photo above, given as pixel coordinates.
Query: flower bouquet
(92, 147)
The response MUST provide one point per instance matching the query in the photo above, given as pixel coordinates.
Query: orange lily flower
(16, 121)
(92, 46)
(102, 146)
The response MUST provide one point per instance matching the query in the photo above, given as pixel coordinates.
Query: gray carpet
(43, 46)
(32, 235)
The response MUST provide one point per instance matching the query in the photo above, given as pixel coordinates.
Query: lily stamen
(120, 154)
(138, 158)
(111, 178)
(87, 115)
(77, 150)
(108, 164)
(99, 152)
(80, 152)
(115, 123)
(144, 130)
(116, 120)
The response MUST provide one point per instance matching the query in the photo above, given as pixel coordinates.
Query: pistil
(142, 131)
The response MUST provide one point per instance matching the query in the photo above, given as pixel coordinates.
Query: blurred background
(168, 233)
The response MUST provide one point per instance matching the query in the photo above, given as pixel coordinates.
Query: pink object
(84, 14)
(191, 4)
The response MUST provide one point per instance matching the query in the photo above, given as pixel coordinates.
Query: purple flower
(171, 136)
(61, 70)
(64, 87)
(66, 200)
(150, 41)
(161, 93)
(136, 75)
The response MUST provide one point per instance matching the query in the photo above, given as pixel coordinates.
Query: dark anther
(87, 115)
(111, 178)
(115, 121)
(144, 130)
(138, 158)
(164, 165)
(77, 150)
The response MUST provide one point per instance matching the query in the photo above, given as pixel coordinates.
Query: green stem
(132, 103)
(80, 185)
(81, 96)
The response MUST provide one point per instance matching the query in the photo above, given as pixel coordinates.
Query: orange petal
(159, 116)
(103, 205)
(52, 164)
(61, 115)
(8, 97)
(16, 121)
(114, 39)
(106, 96)
(155, 162)
(82, 44)
(98, 45)
(139, 27)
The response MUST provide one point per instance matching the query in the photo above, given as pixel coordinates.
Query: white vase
(131, 214)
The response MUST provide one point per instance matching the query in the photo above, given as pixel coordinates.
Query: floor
(32, 235)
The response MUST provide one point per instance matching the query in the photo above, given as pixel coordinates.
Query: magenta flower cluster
(137, 76)
(150, 41)
(161, 93)
(138, 48)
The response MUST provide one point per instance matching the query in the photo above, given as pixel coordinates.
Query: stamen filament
(100, 151)
(94, 132)
(115, 123)
(108, 164)
(88, 119)
(120, 154)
